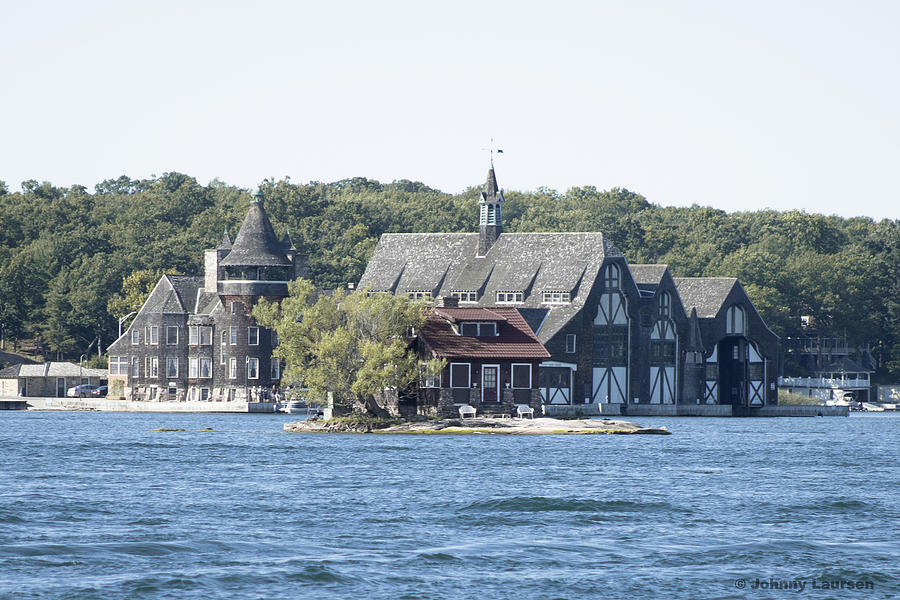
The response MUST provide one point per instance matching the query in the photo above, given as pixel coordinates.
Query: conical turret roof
(256, 243)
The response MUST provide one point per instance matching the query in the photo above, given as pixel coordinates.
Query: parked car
(100, 392)
(81, 391)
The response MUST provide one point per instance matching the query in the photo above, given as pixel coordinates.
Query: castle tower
(258, 264)
(490, 221)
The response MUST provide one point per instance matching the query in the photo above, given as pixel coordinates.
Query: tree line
(73, 261)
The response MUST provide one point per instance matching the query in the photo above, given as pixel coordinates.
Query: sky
(736, 105)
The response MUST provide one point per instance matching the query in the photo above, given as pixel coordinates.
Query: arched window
(611, 277)
(665, 305)
(735, 321)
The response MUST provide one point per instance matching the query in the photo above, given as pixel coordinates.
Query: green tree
(353, 346)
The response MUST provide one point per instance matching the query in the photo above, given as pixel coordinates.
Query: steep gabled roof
(706, 294)
(515, 339)
(528, 262)
(256, 243)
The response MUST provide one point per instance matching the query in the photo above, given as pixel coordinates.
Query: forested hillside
(64, 252)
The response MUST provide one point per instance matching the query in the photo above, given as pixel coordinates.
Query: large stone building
(194, 338)
(616, 333)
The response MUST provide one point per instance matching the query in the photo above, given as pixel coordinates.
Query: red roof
(516, 339)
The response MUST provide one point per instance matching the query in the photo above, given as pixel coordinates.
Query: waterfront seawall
(109, 405)
(691, 410)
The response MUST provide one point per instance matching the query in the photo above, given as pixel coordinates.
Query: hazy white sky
(732, 104)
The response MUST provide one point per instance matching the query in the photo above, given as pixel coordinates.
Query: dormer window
(465, 296)
(554, 297)
(478, 329)
(507, 296)
(419, 294)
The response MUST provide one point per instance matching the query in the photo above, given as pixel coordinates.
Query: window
(206, 335)
(734, 321)
(570, 343)
(193, 335)
(135, 367)
(556, 297)
(152, 367)
(204, 394)
(173, 391)
(419, 294)
(712, 371)
(224, 345)
(507, 296)
(521, 375)
(755, 371)
(135, 337)
(232, 335)
(276, 369)
(234, 307)
(171, 336)
(152, 335)
(460, 375)
(478, 329)
(665, 305)
(231, 394)
(253, 336)
(276, 341)
(193, 367)
(172, 366)
(611, 277)
(252, 368)
(232, 368)
(192, 394)
(118, 365)
(205, 367)
(465, 296)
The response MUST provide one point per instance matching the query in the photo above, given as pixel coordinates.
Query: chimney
(446, 302)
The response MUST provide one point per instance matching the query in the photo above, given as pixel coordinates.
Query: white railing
(825, 382)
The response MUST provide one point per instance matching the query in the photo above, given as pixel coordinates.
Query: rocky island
(540, 426)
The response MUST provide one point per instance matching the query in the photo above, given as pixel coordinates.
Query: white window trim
(250, 341)
(175, 358)
(193, 335)
(556, 297)
(469, 377)
(256, 361)
(518, 297)
(209, 329)
(193, 367)
(574, 338)
(232, 368)
(208, 375)
(135, 336)
(512, 379)
(176, 328)
(232, 336)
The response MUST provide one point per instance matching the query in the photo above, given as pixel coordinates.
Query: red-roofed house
(492, 360)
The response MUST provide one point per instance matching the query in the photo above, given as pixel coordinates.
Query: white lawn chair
(466, 412)
(524, 409)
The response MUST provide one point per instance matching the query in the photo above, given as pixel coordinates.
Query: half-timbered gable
(741, 352)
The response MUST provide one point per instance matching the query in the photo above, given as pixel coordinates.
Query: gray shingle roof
(256, 244)
(528, 262)
(706, 294)
(52, 369)
(647, 274)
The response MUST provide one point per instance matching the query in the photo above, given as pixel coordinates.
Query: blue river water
(98, 505)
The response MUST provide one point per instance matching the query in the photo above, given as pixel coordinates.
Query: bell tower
(490, 210)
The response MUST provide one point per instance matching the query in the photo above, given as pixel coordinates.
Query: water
(97, 505)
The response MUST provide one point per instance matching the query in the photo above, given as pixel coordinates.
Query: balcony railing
(846, 383)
